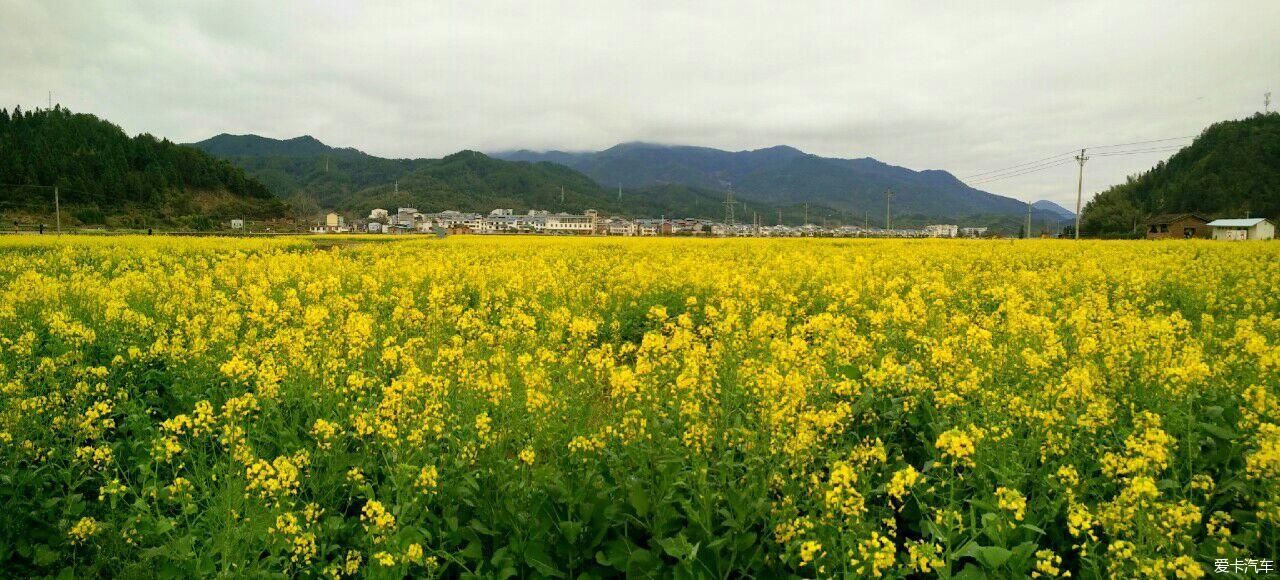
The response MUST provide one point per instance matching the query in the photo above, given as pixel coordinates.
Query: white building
(1243, 229)
(652, 227)
(333, 223)
(564, 223)
(621, 227)
(973, 232)
(942, 230)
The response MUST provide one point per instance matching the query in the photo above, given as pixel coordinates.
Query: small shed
(1177, 226)
(1240, 229)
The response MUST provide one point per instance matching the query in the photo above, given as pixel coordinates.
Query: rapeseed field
(588, 408)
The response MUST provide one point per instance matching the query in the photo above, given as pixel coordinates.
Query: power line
(1051, 161)
(1137, 151)
(1023, 172)
(1067, 161)
(1006, 173)
(1020, 165)
(1141, 142)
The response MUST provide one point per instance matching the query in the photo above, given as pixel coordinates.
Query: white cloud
(965, 88)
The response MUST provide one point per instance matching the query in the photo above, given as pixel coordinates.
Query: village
(407, 220)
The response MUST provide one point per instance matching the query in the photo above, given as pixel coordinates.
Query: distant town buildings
(333, 223)
(942, 230)
(408, 220)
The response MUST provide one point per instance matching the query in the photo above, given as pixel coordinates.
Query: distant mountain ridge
(228, 145)
(656, 180)
(1053, 208)
(784, 174)
(316, 177)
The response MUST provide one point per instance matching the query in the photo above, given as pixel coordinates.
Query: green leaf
(639, 500)
(538, 559)
(993, 557)
(1034, 529)
(479, 527)
(968, 550)
(971, 572)
(641, 563)
(678, 547)
(45, 556)
(617, 553)
(473, 551)
(1217, 431)
(571, 531)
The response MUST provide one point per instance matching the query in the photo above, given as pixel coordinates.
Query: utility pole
(728, 207)
(1028, 221)
(57, 209)
(1079, 190)
(866, 220)
(562, 196)
(619, 191)
(888, 223)
(1266, 102)
(779, 216)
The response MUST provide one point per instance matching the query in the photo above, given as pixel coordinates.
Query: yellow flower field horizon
(600, 407)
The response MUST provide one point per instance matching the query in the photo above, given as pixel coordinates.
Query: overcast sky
(962, 86)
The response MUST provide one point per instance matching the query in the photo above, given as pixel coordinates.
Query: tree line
(95, 162)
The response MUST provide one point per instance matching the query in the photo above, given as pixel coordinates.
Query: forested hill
(316, 177)
(1231, 170)
(783, 174)
(106, 177)
(227, 145)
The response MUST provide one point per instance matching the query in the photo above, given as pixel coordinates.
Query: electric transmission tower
(728, 207)
(888, 221)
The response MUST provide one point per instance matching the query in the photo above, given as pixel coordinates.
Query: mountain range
(783, 174)
(1045, 205)
(107, 177)
(314, 177)
(653, 180)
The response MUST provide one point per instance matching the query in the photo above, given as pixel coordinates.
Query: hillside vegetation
(106, 177)
(786, 175)
(1231, 170)
(318, 177)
